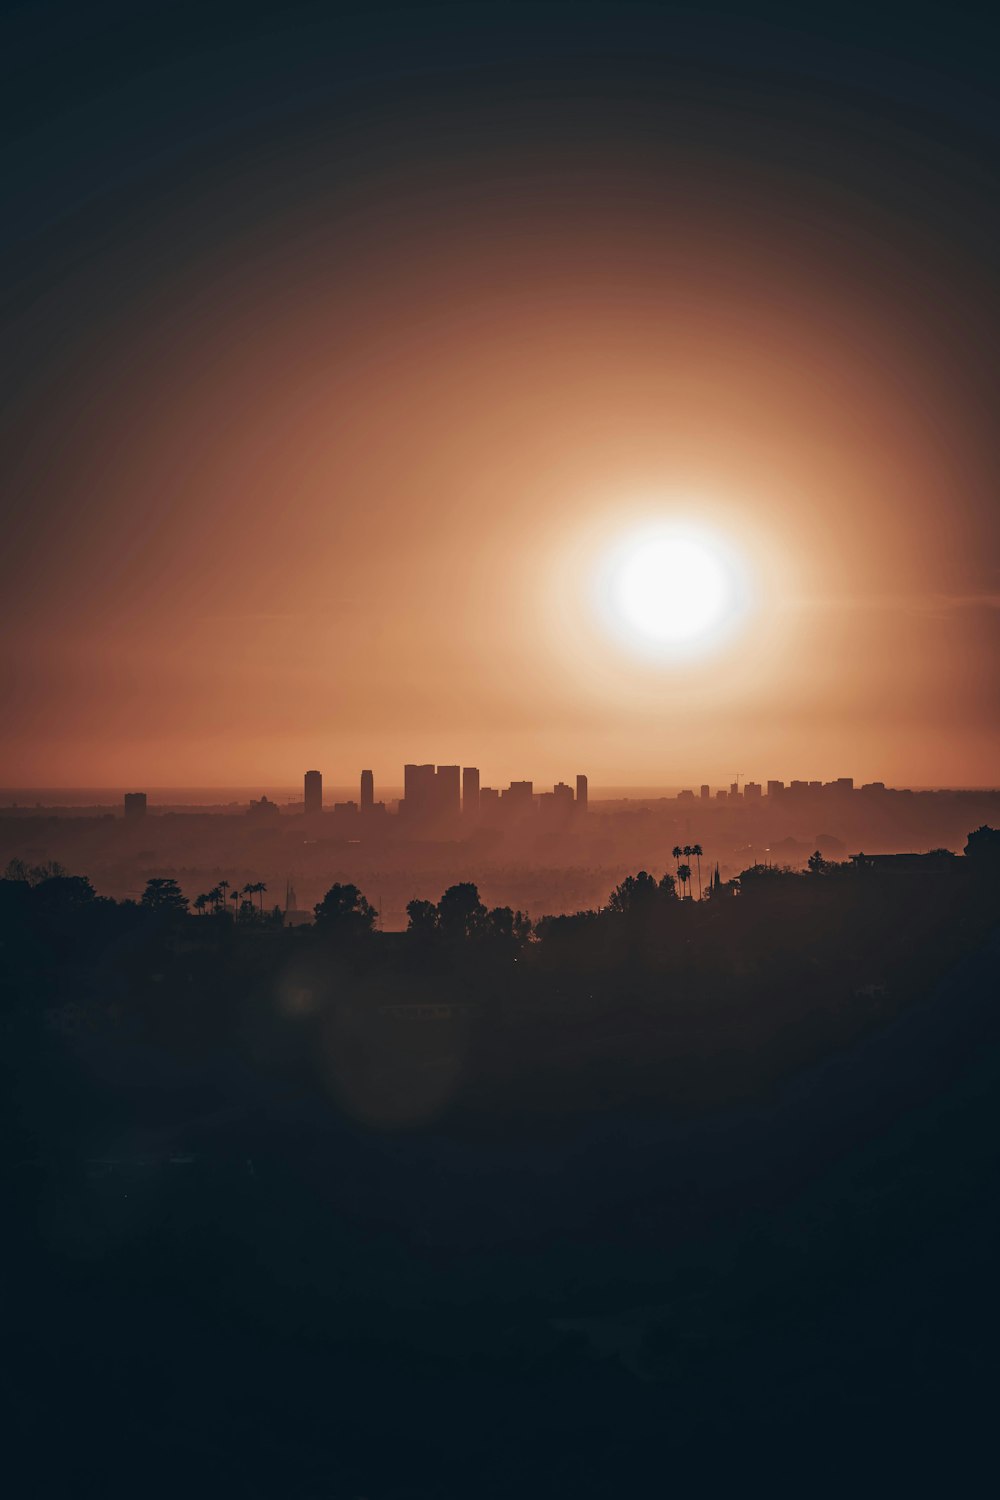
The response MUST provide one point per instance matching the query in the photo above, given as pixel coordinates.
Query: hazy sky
(343, 343)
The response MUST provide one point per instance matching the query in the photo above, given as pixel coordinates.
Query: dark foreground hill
(680, 1201)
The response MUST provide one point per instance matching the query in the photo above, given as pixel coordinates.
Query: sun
(671, 588)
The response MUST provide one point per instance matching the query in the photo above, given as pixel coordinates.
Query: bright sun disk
(669, 588)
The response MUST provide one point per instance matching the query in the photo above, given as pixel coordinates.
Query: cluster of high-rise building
(446, 796)
(452, 797)
(345, 815)
(752, 791)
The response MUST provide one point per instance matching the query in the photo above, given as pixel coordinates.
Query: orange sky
(329, 489)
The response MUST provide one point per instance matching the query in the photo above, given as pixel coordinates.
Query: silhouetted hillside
(493, 1208)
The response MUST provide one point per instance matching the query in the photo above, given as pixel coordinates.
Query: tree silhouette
(505, 928)
(983, 848)
(422, 917)
(677, 851)
(344, 913)
(163, 895)
(63, 895)
(460, 910)
(684, 875)
(200, 902)
(636, 894)
(523, 928)
(639, 896)
(698, 851)
(50, 869)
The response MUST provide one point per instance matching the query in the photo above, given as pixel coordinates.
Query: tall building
(448, 791)
(367, 791)
(418, 791)
(734, 791)
(706, 791)
(752, 791)
(555, 808)
(135, 805)
(581, 794)
(313, 793)
(489, 805)
(775, 788)
(470, 791)
(431, 793)
(519, 798)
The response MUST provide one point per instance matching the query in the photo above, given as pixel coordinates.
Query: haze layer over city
(545, 852)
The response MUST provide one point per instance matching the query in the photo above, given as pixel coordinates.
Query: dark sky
(331, 332)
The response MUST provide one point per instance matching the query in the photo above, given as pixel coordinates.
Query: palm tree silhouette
(676, 851)
(222, 889)
(200, 902)
(698, 851)
(235, 899)
(684, 875)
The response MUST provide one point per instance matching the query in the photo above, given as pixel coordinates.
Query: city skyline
(431, 792)
(392, 789)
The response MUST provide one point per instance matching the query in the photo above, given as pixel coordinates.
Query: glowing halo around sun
(672, 590)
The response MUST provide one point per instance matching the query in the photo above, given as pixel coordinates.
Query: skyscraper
(418, 790)
(367, 791)
(581, 794)
(313, 793)
(448, 791)
(519, 798)
(489, 804)
(470, 791)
